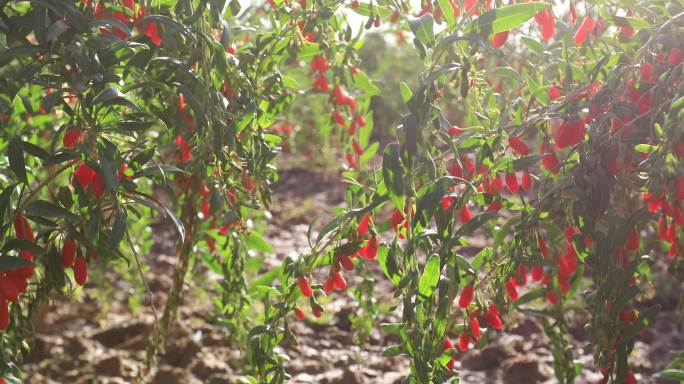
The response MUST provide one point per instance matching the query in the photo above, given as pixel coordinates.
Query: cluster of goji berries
(15, 281)
(368, 249)
(147, 28)
(343, 105)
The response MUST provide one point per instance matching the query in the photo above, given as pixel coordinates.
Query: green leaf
(405, 91)
(447, 11)
(24, 245)
(364, 83)
(423, 28)
(430, 277)
(257, 242)
(112, 96)
(15, 153)
(8, 263)
(42, 208)
(504, 18)
(364, 9)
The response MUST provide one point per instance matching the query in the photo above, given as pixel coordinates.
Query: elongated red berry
(537, 273)
(499, 39)
(72, 138)
(511, 289)
(346, 263)
(449, 345)
(675, 56)
(466, 296)
(543, 248)
(68, 253)
(84, 175)
(338, 281)
(474, 326)
(22, 227)
(357, 148)
(633, 242)
(518, 146)
(549, 159)
(494, 317)
(370, 250)
(364, 224)
(526, 181)
(300, 313)
(679, 194)
(328, 286)
(512, 182)
(584, 29)
(80, 270)
(551, 297)
(181, 103)
(7, 288)
(570, 133)
(27, 271)
(4, 314)
(98, 185)
(465, 214)
(463, 341)
(304, 286)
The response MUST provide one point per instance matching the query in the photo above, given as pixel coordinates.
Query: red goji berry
(518, 146)
(499, 39)
(72, 138)
(304, 286)
(68, 252)
(466, 296)
(80, 270)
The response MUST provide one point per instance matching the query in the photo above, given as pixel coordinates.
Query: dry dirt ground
(79, 341)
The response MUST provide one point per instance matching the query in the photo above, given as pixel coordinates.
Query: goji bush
(553, 131)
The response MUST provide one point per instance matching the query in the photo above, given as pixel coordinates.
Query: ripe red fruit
(204, 206)
(4, 314)
(493, 317)
(317, 312)
(537, 273)
(72, 138)
(7, 288)
(463, 341)
(549, 159)
(351, 160)
(465, 214)
(337, 117)
(551, 297)
(511, 289)
(494, 206)
(68, 253)
(247, 181)
(512, 182)
(679, 194)
(300, 313)
(500, 39)
(360, 121)
(584, 29)
(364, 224)
(84, 175)
(370, 250)
(518, 146)
(554, 92)
(357, 148)
(80, 270)
(466, 296)
(321, 83)
(675, 56)
(449, 345)
(304, 286)
(633, 242)
(526, 181)
(474, 326)
(211, 244)
(27, 271)
(547, 21)
(328, 285)
(98, 185)
(569, 134)
(346, 263)
(629, 378)
(338, 281)
(23, 228)
(355, 4)
(628, 315)
(455, 130)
